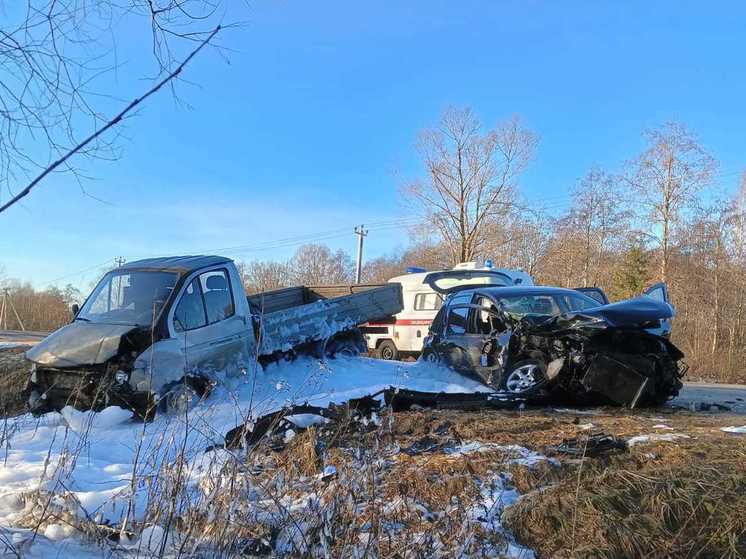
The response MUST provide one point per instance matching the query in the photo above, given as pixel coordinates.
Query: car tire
(387, 351)
(525, 377)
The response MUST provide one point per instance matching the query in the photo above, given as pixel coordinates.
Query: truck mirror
(75, 309)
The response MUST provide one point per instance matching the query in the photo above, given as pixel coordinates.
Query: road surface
(10, 338)
(699, 395)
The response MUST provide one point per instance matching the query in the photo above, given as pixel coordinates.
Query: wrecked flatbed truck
(560, 343)
(162, 332)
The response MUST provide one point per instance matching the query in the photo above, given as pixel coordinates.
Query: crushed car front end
(595, 354)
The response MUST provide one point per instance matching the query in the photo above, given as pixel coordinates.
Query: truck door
(659, 292)
(212, 335)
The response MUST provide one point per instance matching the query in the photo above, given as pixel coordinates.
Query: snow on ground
(655, 438)
(740, 430)
(91, 458)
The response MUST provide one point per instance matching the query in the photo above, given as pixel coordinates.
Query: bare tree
(470, 177)
(53, 56)
(316, 264)
(665, 180)
(596, 217)
(260, 275)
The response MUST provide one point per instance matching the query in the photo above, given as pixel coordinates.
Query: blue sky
(310, 126)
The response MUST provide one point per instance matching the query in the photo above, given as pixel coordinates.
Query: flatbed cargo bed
(295, 316)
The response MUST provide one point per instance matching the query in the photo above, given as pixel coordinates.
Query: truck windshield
(128, 297)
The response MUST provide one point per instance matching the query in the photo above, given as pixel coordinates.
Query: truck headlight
(120, 377)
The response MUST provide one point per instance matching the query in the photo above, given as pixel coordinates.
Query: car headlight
(120, 377)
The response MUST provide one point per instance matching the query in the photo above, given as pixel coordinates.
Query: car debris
(548, 341)
(401, 399)
(164, 331)
(593, 445)
(274, 424)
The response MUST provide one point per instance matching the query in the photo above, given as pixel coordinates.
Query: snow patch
(740, 430)
(655, 437)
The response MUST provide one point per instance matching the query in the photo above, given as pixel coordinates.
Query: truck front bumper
(53, 389)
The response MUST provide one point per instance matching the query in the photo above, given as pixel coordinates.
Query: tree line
(661, 216)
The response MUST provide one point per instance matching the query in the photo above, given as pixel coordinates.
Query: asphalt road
(20, 337)
(697, 396)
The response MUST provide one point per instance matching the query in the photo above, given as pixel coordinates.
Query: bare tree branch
(111, 123)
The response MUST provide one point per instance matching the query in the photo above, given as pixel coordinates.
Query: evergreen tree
(632, 276)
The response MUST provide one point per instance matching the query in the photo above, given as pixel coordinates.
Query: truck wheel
(525, 377)
(179, 397)
(387, 351)
(344, 347)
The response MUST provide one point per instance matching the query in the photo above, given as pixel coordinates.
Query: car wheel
(525, 377)
(387, 351)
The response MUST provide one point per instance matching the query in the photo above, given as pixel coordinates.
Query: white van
(402, 334)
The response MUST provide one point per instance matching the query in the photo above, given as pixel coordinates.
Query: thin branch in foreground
(116, 120)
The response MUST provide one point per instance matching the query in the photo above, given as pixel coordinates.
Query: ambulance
(401, 335)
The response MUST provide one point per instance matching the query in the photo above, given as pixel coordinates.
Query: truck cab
(402, 335)
(163, 331)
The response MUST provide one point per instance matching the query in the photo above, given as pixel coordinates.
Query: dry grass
(14, 373)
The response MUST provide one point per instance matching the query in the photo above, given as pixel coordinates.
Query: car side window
(457, 320)
(484, 320)
(574, 303)
(217, 294)
(190, 312)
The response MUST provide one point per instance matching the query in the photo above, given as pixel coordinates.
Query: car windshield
(543, 305)
(128, 297)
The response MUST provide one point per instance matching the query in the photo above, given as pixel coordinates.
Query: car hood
(639, 312)
(80, 344)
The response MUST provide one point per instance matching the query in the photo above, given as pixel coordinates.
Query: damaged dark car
(563, 343)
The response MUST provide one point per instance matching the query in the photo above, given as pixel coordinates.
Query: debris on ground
(592, 445)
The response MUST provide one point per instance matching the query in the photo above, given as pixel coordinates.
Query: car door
(595, 293)
(462, 344)
(659, 292)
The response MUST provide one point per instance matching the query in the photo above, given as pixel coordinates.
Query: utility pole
(119, 261)
(361, 233)
(8, 302)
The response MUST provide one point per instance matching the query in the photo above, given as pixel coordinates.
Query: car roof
(517, 290)
(180, 264)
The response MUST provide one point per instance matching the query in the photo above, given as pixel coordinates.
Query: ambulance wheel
(387, 351)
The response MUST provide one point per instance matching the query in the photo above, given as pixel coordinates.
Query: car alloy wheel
(524, 378)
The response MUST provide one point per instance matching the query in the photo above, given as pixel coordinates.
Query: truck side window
(190, 312)
(427, 301)
(217, 293)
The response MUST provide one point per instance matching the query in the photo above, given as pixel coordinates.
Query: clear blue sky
(312, 125)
